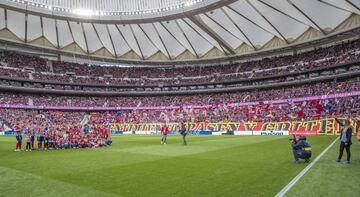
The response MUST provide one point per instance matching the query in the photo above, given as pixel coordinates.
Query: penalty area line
(304, 171)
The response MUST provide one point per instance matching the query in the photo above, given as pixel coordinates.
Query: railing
(125, 86)
(341, 76)
(279, 101)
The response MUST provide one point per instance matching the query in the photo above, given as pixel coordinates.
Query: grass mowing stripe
(19, 183)
(303, 172)
(239, 166)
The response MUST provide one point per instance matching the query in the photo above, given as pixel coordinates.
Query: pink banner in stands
(329, 96)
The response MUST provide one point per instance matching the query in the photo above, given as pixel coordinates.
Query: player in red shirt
(164, 132)
(17, 130)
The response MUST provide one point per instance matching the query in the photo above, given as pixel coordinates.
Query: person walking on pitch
(164, 132)
(345, 140)
(183, 133)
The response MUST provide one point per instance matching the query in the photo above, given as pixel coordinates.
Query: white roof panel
(65, 36)
(130, 39)
(120, 45)
(204, 34)
(324, 15)
(281, 21)
(16, 23)
(254, 22)
(147, 47)
(285, 7)
(174, 47)
(104, 37)
(2, 18)
(221, 18)
(355, 2)
(224, 33)
(245, 9)
(178, 33)
(154, 36)
(78, 34)
(92, 39)
(344, 5)
(256, 35)
(201, 45)
(34, 27)
(50, 30)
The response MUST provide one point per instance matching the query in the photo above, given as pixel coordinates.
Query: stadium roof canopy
(172, 30)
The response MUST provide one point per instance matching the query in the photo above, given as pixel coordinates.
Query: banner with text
(312, 127)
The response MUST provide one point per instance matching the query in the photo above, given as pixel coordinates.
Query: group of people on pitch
(60, 138)
(302, 149)
(165, 131)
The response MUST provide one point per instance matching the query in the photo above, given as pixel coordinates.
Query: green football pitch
(138, 165)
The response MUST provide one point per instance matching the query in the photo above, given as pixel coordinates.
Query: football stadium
(184, 98)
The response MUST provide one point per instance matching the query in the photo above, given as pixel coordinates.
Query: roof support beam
(267, 20)
(111, 40)
(308, 17)
(42, 26)
(200, 34)
(57, 34)
(162, 41)
(5, 13)
(173, 36)
(238, 13)
(187, 39)
(86, 43)
(123, 37)
(224, 28)
(335, 6)
(242, 32)
(137, 42)
(208, 30)
(148, 37)
(274, 8)
(353, 4)
(26, 27)
(72, 35)
(97, 35)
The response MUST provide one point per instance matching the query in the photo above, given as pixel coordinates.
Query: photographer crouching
(301, 149)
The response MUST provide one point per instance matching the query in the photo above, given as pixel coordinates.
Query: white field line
(302, 173)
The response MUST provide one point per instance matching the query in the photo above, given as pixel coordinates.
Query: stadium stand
(16, 65)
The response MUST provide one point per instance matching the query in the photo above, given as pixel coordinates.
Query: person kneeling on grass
(108, 141)
(301, 149)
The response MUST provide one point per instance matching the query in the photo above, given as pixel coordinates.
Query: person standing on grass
(32, 138)
(40, 139)
(345, 140)
(46, 138)
(28, 142)
(358, 130)
(183, 132)
(17, 130)
(164, 132)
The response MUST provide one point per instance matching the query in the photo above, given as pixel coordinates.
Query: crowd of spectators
(316, 89)
(214, 107)
(55, 129)
(95, 74)
(289, 111)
